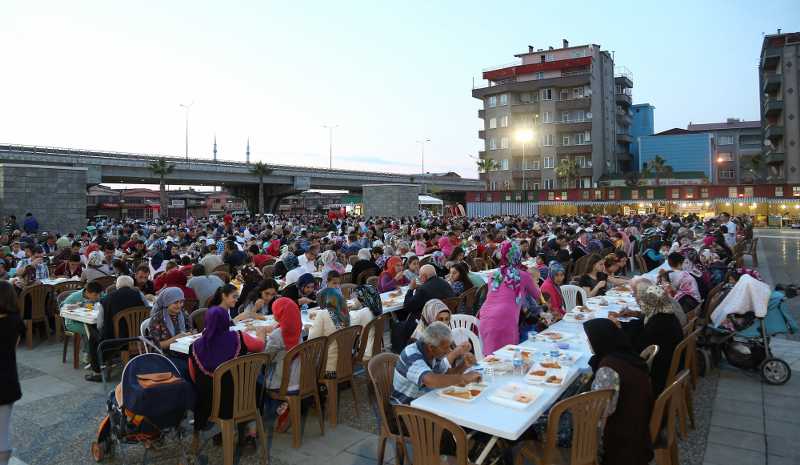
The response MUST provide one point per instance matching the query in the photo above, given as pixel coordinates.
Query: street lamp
(422, 152)
(187, 107)
(523, 136)
(330, 129)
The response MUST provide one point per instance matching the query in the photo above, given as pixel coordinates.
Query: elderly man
(430, 364)
(432, 287)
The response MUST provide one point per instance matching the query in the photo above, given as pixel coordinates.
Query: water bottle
(304, 311)
(517, 362)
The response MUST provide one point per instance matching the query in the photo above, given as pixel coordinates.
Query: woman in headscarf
(434, 310)
(658, 326)
(170, 322)
(508, 288)
(303, 292)
(364, 263)
(616, 366)
(293, 268)
(392, 276)
(329, 263)
(332, 316)
(369, 307)
(287, 262)
(280, 341)
(218, 344)
(95, 267)
(551, 289)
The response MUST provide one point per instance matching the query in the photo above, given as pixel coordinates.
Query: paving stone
(783, 429)
(742, 439)
(737, 422)
(785, 447)
(739, 407)
(718, 454)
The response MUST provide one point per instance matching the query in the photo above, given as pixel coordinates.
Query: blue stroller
(148, 404)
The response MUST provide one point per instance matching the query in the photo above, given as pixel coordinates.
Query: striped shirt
(410, 369)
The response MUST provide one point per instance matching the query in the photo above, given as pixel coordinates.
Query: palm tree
(660, 168)
(487, 164)
(162, 168)
(260, 169)
(566, 170)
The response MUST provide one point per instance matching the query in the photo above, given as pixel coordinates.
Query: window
(550, 57)
(796, 191)
(492, 101)
(503, 99)
(725, 140)
(504, 142)
(549, 140)
(565, 117)
(539, 75)
(563, 195)
(748, 191)
(508, 196)
(649, 193)
(587, 182)
(492, 123)
(584, 195)
(564, 140)
(536, 188)
(598, 195)
(580, 161)
(727, 174)
(550, 195)
(587, 137)
(546, 94)
(564, 94)
(579, 139)
(547, 117)
(690, 192)
(535, 165)
(548, 162)
(492, 143)
(577, 92)
(612, 194)
(548, 184)
(733, 192)
(525, 97)
(493, 186)
(507, 185)
(579, 116)
(778, 191)
(504, 121)
(504, 165)
(676, 193)
(635, 194)
(704, 192)
(724, 156)
(518, 195)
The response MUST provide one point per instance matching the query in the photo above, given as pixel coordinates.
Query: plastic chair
(649, 354)
(425, 430)
(344, 343)
(460, 334)
(244, 372)
(198, 318)
(362, 277)
(37, 295)
(570, 294)
(312, 355)
(666, 411)
(381, 374)
(452, 303)
(372, 333)
(105, 281)
(133, 318)
(586, 410)
(66, 334)
(470, 298)
(190, 305)
(347, 289)
(464, 321)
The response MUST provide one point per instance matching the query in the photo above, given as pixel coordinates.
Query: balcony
(573, 126)
(773, 133)
(574, 149)
(583, 103)
(624, 138)
(772, 83)
(623, 117)
(623, 80)
(624, 99)
(529, 107)
(481, 113)
(775, 158)
(773, 108)
(572, 80)
(482, 134)
(771, 58)
(624, 156)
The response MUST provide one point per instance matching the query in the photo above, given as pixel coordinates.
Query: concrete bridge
(283, 180)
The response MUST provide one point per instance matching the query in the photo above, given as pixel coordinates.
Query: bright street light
(524, 135)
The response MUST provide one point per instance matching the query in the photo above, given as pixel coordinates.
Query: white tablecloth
(82, 314)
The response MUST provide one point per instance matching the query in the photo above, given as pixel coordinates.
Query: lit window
(612, 194)
(547, 117)
(504, 142)
(733, 192)
(504, 165)
(724, 156)
(704, 192)
(635, 194)
(518, 195)
(508, 197)
(550, 195)
(492, 123)
(548, 162)
(796, 191)
(748, 191)
(778, 191)
(585, 195)
(649, 193)
(504, 121)
(598, 195)
(676, 193)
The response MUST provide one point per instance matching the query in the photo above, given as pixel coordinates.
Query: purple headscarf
(218, 344)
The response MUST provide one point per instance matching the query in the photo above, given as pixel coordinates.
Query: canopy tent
(428, 200)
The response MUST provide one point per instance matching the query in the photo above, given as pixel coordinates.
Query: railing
(507, 65)
(624, 73)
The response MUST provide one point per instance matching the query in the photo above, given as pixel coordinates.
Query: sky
(112, 75)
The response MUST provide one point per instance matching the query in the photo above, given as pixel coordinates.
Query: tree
(162, 168)
(660, 168)
(260, 169)
(638, 178)
(487, 164)
(566, 171)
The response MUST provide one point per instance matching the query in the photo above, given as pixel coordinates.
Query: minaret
(248, 150)
(215, 147)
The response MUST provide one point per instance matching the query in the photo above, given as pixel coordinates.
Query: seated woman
(95, 267)
(329, 263)
(281, 340)
(655, 254)
(332, 316)
(594, 281)
(412, 268)
(303, 292)
(226, 297)
(168, 323)
(551, 289)
(626, 435)
(259, 303)
(436, 310)
(217, 345)
(459, 278)
(368, 307)
(392, 276)
(250, 277)
(659, 326)
(680, 284)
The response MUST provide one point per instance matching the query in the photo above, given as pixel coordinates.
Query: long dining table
(492, 412)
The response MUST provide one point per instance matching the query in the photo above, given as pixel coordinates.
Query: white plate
(505, 395)
(482, 387)
(543, 336)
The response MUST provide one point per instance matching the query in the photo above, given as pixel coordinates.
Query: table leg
(488, 448)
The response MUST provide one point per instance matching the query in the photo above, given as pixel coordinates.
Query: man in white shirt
(308, 260)
(730, 235)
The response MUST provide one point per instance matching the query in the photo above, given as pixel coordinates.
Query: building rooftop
(672, 132)
(730, 124)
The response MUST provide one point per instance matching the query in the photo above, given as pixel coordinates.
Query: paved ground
(740, 420)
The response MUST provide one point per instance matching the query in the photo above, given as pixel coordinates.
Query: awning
(428, 200)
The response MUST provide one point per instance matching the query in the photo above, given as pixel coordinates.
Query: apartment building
(642, 124)
(779, 87)
(735, 144)
(569, 101)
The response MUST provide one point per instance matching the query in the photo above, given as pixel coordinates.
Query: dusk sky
(111, 75)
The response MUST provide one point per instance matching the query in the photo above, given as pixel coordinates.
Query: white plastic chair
(570, 294)
(461, 335)
(649, 354)
(464, 321)
(144, 335)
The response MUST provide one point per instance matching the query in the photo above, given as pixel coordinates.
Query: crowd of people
(248, 268)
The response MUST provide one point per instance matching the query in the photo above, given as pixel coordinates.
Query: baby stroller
(745, 321)
(148, 404)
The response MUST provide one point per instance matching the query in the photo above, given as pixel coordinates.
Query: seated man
(432, 287)
(88, 295)
(427, 364)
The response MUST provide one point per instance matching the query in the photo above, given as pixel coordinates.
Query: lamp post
(523, 136)
(422, 152)
(186, 141)
(330, 129)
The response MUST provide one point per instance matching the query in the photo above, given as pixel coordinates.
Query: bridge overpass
(283, 180)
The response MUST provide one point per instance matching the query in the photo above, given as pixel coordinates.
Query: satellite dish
(767, 142)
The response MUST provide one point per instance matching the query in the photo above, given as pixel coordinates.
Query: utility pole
(330, 129)
(215, 147)
(247, 154)
(422, 152)
(187, 107)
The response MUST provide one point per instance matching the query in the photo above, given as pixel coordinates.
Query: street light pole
(330, 129)
(422, 152)
(186, 141)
